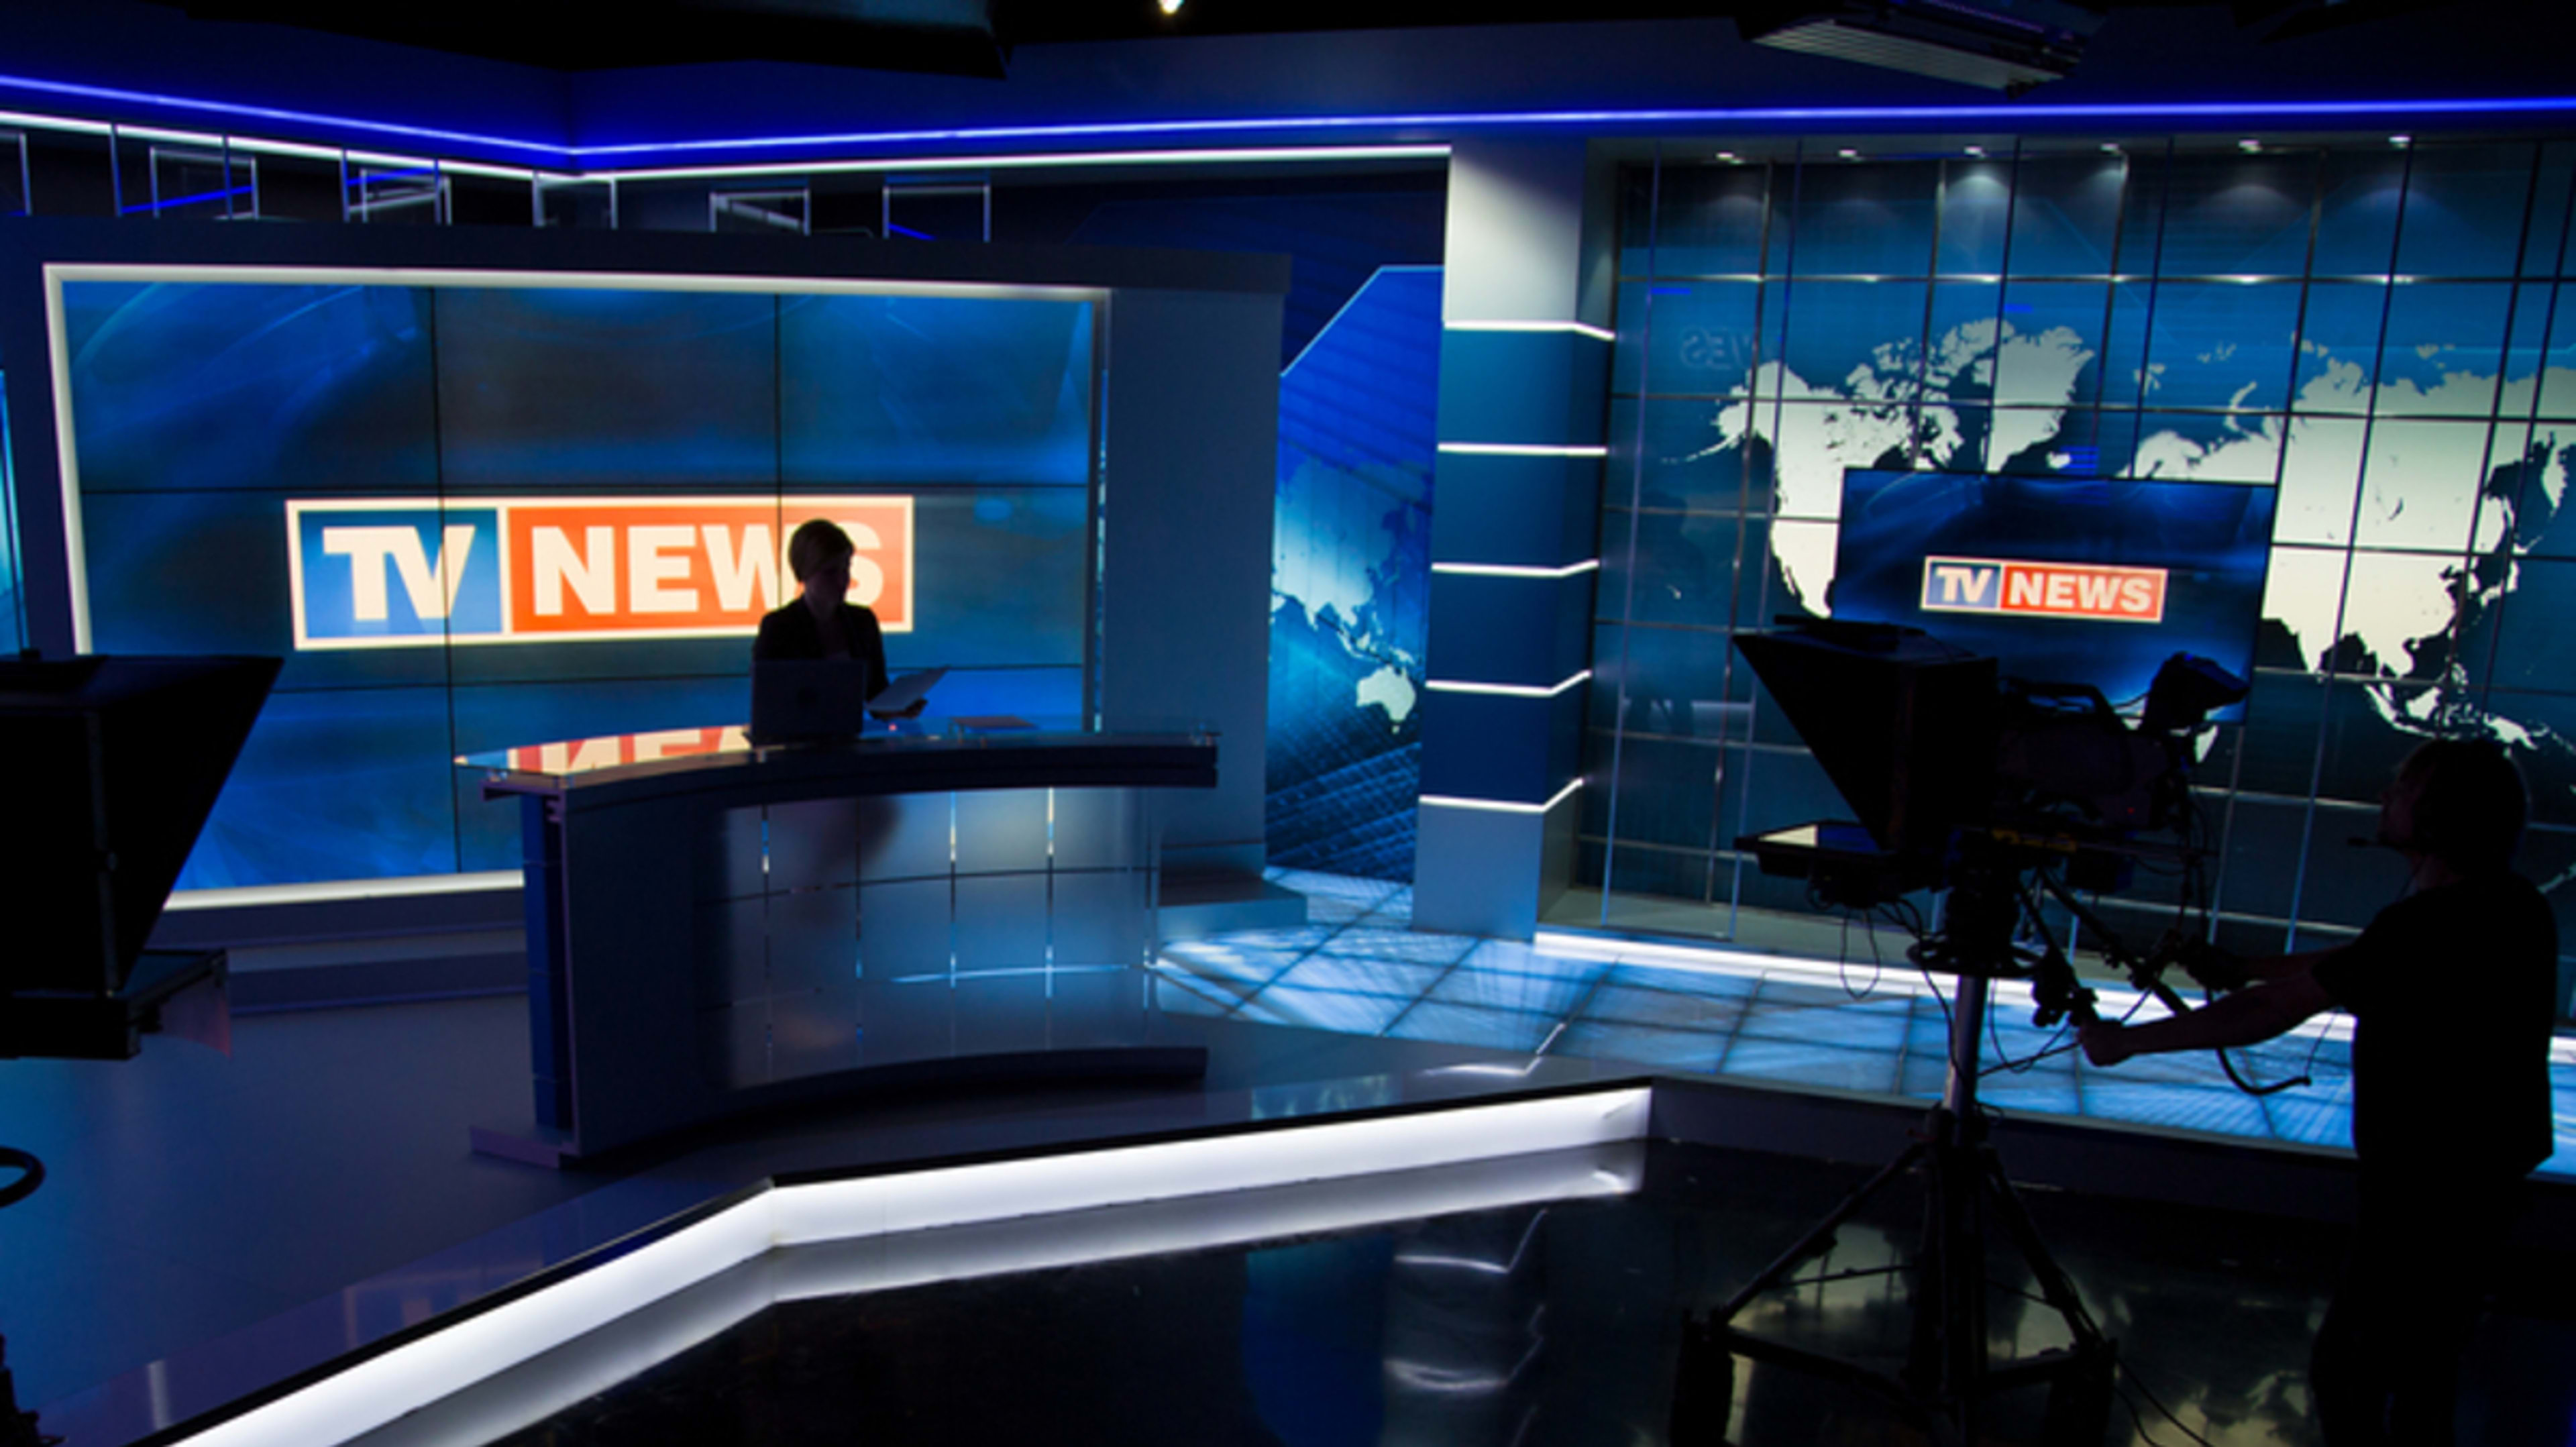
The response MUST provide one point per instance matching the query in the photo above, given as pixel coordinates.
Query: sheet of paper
(906, 691)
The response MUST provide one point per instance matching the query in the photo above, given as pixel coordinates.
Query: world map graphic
(2446, 513)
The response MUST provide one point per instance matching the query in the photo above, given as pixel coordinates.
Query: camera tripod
(18, 1429)
(1947, 1377)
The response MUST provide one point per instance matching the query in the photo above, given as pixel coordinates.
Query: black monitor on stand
(115, 765)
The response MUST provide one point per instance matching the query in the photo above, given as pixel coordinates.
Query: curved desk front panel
(731, 928)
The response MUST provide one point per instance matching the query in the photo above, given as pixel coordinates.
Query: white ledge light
(1523, 449)
(1508, 690)
(1580, 329)
(1502, 806)
(1515, 570)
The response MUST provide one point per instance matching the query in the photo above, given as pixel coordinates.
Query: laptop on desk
(804, 700)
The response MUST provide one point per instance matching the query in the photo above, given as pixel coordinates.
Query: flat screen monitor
(2061, 580)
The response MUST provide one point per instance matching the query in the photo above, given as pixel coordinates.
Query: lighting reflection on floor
(1866, 1025)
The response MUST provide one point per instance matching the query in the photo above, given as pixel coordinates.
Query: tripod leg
(2079, 1400)
(1818, 1240)
(1963, 1291)
(17, 1429)
(1703, 1387)
(2054, 1285)
(1945, 1365)
(2079, 1395)
(1922, 1372)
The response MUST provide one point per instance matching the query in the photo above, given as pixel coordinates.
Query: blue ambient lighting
(908, 231)
(571, 155)
(178, 201)
(1692, 117)
(365, 178)
(271, 113)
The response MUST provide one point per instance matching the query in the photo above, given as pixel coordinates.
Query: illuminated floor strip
(1553, 1144)
(1869, 1026)
(558, 1380)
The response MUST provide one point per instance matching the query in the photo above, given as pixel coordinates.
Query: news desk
(715, 928)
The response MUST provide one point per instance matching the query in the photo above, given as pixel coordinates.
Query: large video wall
(478, 511)
(2379, 333)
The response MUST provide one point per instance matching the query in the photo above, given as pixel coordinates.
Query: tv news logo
(2045, 590)
(409, 572)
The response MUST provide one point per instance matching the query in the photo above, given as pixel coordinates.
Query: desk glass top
(719, 745)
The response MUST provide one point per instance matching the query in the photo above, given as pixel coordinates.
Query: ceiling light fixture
(1973, 42)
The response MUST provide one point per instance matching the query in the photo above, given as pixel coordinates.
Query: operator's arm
(2257, 1012)
(2282, 967)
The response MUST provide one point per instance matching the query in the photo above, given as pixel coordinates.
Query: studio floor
(1541, 1323)
(1865, 1022)
(212, 1222)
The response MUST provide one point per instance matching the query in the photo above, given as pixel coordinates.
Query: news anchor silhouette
(822, 622)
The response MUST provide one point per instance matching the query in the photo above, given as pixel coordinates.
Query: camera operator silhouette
(822, 622)
(2452, 991)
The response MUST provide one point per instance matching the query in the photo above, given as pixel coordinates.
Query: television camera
(2008, 795)
(1968, 781)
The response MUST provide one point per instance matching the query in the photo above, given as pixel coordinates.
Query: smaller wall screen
(473, 516)
(2061, 580)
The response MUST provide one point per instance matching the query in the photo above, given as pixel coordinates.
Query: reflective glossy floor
(1865, 1023)
(1548, 1322)
(212, 1224)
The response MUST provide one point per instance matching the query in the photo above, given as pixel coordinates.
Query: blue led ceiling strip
(1755, 116)
(572, 156)
(275, 113)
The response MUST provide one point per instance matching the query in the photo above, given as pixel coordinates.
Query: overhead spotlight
(1170, 7)
(2110, 148)
(2401, 140)
(2249, 146)
(1730, 157)
(1977, 151)
(1848, 154)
